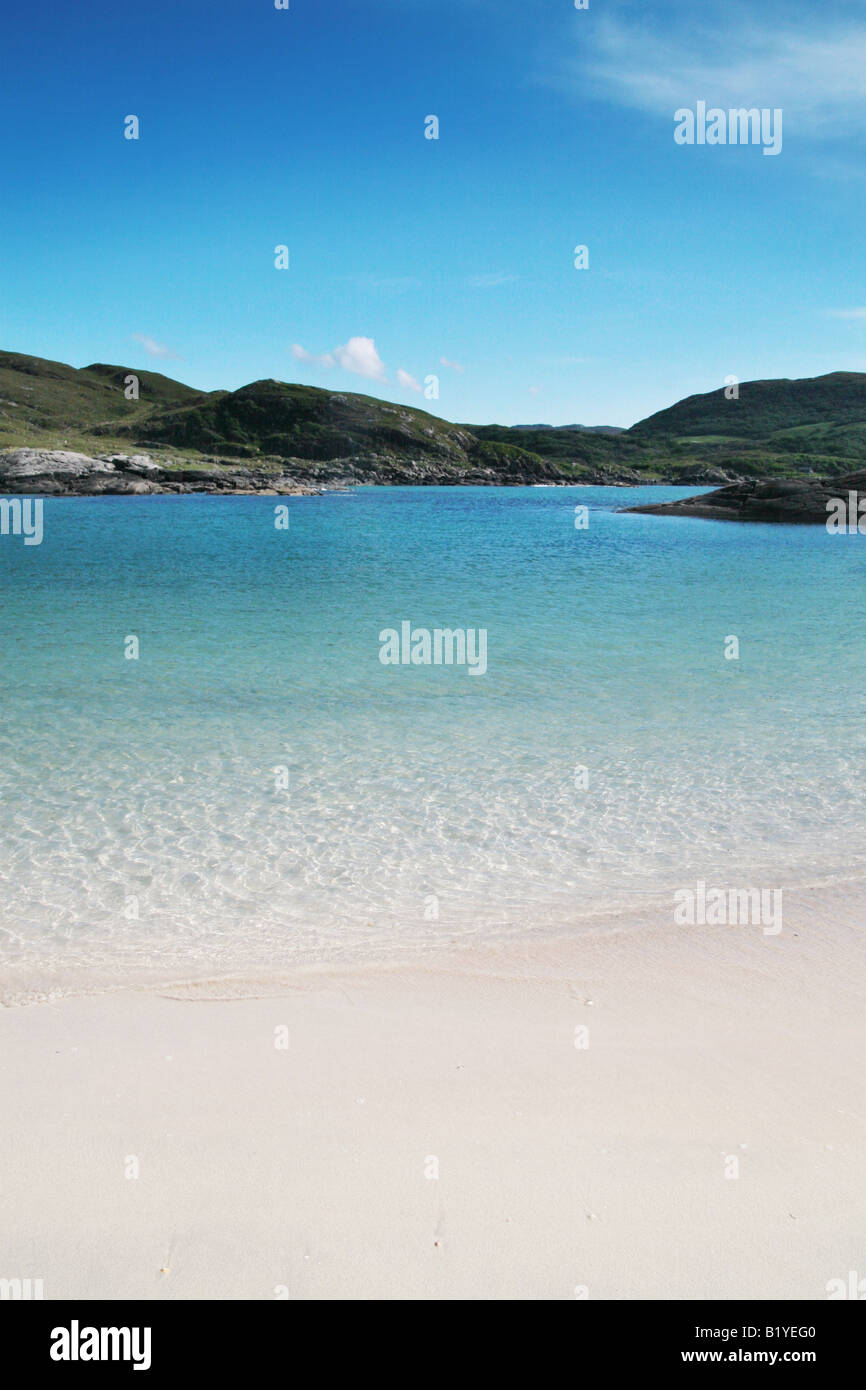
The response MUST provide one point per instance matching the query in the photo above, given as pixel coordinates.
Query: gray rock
(800, 501)
(115, 484)
(49, 463)
(142, 464)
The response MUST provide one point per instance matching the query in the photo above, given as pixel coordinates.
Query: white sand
(559, 1167)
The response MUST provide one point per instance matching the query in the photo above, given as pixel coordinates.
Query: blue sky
(305, 127)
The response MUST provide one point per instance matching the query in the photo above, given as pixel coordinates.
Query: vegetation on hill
(42, 400)
(774, 429)
(764, 408)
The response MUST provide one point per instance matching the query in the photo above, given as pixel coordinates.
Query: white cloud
(152, 347)
(847, 313)
(407, 381)
(455, 366)
(359, 355)
(533, 390)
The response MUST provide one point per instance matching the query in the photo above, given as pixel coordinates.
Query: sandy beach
(445, 1128)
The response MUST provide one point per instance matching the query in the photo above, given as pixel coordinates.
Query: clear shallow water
(153, 780)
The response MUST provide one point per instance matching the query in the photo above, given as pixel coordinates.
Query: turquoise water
(144, 832)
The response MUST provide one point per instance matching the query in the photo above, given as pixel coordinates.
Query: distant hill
(814, 426)
(765, 408)
(784, 428)
(584, 429)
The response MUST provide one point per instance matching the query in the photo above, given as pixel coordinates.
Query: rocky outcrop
(695, 477)
(59, 472)
(31, 467)
(802, 501)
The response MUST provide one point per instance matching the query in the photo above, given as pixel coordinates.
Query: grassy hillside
(775, 428)
(274, 418)
(576, 452)
(48, 404)
(763, 409)
(42, 400)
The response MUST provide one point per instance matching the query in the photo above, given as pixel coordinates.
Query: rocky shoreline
(63, 472)
(60, 472)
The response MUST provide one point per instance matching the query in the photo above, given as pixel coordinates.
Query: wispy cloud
(811, 65)
(153, 348)
(455, 366)
(407, 381)
(358, 355)
(320, 359)
(847, 313)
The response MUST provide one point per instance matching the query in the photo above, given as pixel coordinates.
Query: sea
(208, 772)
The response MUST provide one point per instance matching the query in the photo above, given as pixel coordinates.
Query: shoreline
(648, 916)
(50, 472)
(566, 1160)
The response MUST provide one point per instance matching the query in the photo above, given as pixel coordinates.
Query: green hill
(39, 398)
(275, 419)
(49, 405)
(783, 428)
(764, 408)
